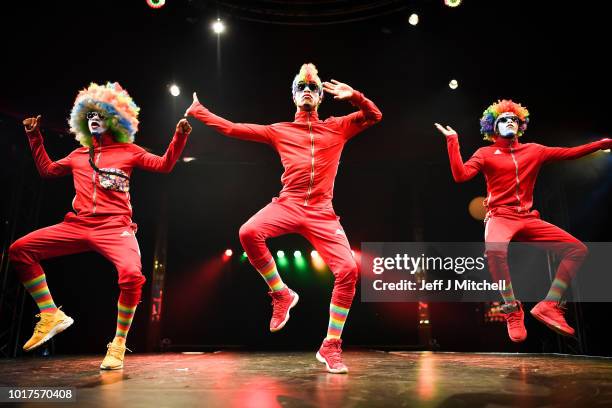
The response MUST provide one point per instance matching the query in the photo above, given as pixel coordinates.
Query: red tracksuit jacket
(309, 148)
(91, 197)
(511, 168)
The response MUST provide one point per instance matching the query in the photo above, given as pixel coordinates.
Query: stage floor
(296, 379)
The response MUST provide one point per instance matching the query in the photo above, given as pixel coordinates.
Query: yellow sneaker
(48, 326)
(114, 356)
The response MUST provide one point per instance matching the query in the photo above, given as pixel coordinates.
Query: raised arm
(570, 153)
(461, 171)
(45, 166)
(244, 131)
(164, 164)
(367, 115)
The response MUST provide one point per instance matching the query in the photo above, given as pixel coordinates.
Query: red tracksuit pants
(114, 237)
(319, 226)
(505, 225)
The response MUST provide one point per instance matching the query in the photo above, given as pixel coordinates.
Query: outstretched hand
(195, 102)
(32, 124)
(338, 89)
(183, 126)
(446, 131)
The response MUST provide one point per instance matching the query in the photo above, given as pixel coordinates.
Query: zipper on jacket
(312, 161)
(93, 179)
(518, 198)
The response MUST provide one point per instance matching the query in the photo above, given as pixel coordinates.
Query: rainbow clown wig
(112, 101)
(308, 73)
(490, 115)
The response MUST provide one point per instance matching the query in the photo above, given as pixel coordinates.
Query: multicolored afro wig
(490, 115)
(112, 101)
(308, 73)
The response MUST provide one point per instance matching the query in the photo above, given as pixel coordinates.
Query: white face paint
(96, 123)
(307, 96)
(507, 125)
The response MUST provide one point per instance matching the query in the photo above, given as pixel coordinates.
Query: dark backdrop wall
(393, 180)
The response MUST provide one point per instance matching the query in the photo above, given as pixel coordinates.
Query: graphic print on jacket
(98, 194)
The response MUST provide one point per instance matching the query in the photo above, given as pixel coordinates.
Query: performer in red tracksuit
(510, 169)
(104, 119)
(310, 151)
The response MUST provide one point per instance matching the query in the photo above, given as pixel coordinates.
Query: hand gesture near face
(338, 89)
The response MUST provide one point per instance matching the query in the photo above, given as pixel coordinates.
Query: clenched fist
(183, 127)
(32, 124)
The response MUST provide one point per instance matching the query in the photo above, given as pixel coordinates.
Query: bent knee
(249, 232)
(16, 252)
(578, 250)
(132, 279)
(347, 274)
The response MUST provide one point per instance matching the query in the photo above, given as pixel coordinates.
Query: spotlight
(413, 19)
(607, 150)
(299, 261)
(314, 254)
(244, 255)
(156, 3)
(280, 254)
(452, 3)
(188, 159)
(453, 84)
(175, 90)
(218, 26)
(229, 252)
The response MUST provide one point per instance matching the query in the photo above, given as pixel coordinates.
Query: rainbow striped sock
(557, 289)
(337, 318)
(125, 315)
(272, 277)
(508, 293)
(39, 290)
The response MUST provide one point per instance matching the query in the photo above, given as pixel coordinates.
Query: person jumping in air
(310, 150)
(104, 119)
(510, 169)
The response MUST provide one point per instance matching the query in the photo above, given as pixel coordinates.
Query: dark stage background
(394, 182)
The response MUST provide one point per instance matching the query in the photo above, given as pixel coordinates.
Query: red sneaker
(282, 301)
(551, 313)
(515, 320)
(330, 353)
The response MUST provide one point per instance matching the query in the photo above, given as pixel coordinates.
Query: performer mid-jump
(104, 119)
(310, 151)
(510, 169)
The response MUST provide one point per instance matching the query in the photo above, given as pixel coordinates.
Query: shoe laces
(44, 321)
(334, 351)
(278, 311)
(561, 306)
(513, 319)
(115, 350)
